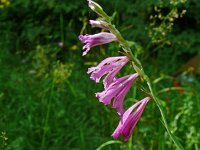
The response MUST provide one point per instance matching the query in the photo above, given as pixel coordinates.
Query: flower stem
(176, 142)
(146, 78)
(139, 69)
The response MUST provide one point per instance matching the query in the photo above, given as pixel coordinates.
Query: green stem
(62, 27)
(139, 69)
(47, 119)
(176, 142)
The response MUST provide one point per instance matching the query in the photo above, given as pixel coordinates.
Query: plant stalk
(135, 64)
(139, 69)
(176, 142)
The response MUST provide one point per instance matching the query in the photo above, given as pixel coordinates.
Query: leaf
(108, 143)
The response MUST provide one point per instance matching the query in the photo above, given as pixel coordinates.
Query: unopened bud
(94, 6)
(98, 9)
(98, 24)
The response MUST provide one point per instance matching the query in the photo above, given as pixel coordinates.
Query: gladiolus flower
(110, 66)
(117, 90)
(98, 24)
(95, 40)
(129, 119)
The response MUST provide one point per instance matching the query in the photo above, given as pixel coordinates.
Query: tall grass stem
(47, 117)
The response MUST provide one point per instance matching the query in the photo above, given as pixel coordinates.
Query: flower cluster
(115, 89)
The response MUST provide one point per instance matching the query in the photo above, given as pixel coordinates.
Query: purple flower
(95, 40)
(129, 119)
(117, 90)
(110, 66)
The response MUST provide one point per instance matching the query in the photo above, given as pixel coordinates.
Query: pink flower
(98, 24)
(129, 119)
(117, 90)
(110, 66)
(95, 40)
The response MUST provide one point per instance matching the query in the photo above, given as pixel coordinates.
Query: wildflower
(95, 40)
(98, 24)
(117, 90)
(129, 119)
(110, 66)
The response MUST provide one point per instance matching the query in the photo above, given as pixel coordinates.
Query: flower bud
(98, 9)
(98, 24)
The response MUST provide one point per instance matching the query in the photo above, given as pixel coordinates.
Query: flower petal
(129, 119)
(95, 40)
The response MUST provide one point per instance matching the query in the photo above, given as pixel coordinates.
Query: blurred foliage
(45, 65)
(47, 100)
(40, 22)
(4, 3)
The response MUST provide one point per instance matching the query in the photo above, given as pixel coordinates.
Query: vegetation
(47, 100)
